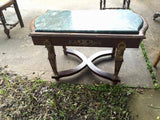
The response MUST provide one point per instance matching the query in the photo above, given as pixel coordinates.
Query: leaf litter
(36, 99)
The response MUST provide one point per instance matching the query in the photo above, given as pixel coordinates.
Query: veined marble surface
(89, 21)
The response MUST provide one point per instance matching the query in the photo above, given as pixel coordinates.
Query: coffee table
(118, 28)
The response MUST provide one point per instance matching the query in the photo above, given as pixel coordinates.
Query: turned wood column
(52, 57)
(119, 58)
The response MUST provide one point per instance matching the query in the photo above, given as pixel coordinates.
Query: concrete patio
(21, 56)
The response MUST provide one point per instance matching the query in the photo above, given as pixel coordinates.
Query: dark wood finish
(18, 13)
(6, 30)
(156, 15)
(64, 50)
(113, 52)
(125, 5)
(118, 41)
(52, 57)
(156, 60)
(4, 23)
(88, 39)
(98, 71)
(78, 68)
(119, 58)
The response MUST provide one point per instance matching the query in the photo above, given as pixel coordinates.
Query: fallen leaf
(6, 66)
(1, 82)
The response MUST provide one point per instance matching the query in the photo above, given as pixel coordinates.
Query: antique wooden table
(116, 28)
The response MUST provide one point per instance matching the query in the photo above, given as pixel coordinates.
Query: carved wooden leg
(113, 52)
(6, 30)
(64, 50)
(52, 58)
(119, 58)
(157, 60)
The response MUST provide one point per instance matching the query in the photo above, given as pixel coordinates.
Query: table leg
(65, 50)
(52, 58)
(6, 30)
(119, 58)
(113, 52)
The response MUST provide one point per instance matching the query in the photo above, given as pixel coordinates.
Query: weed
(40, 81)
(6, 78)
(149, 66)
(2, 91)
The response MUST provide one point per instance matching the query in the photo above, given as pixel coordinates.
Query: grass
(36, 99)
(149, 67)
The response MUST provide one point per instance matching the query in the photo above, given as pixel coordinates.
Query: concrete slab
(147, 8)
(22, 56)
(145, 106)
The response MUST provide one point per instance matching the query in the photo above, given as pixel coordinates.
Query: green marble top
(90, 21)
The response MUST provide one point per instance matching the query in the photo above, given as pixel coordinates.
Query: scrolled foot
(115, 81)
(55, 77)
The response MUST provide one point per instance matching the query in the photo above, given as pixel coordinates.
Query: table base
(88, 62)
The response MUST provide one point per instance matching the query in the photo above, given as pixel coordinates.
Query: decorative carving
(119, 58)
(84, 42)
(52, 57)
